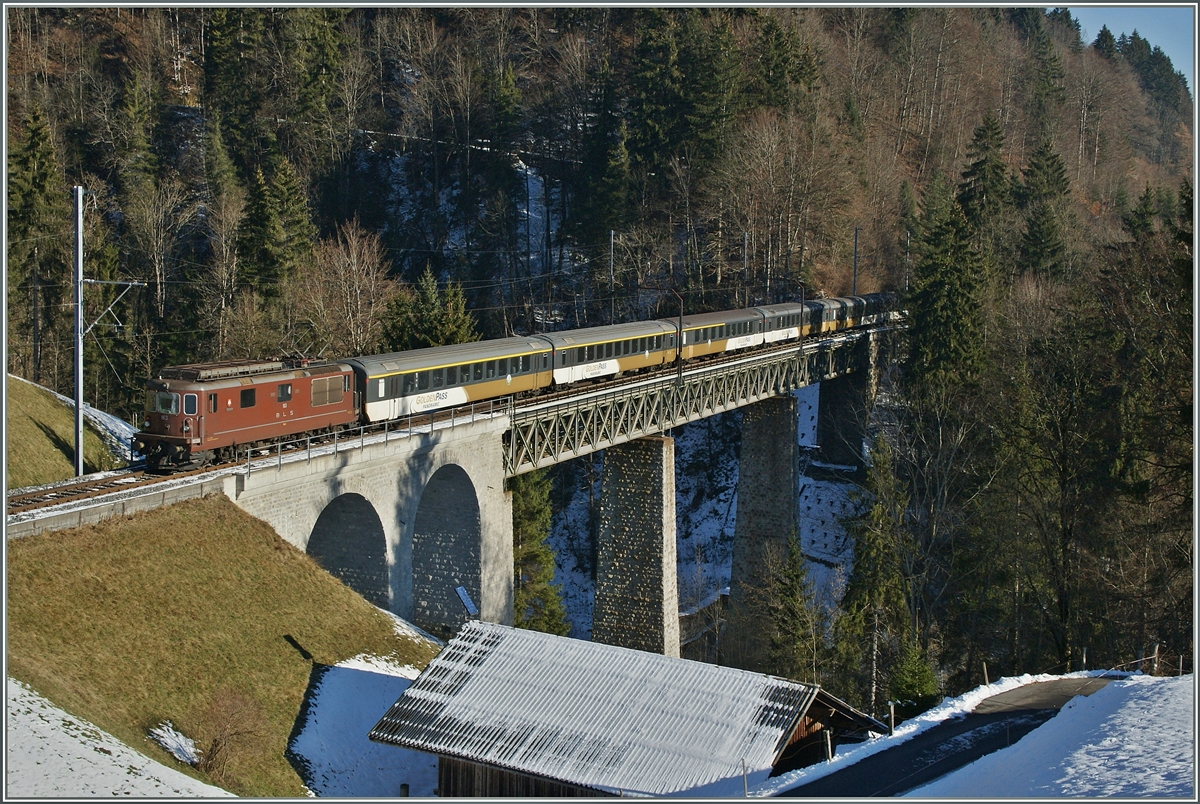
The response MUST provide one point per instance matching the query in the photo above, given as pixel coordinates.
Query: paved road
(995, 723)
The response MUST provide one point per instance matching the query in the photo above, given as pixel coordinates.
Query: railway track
(66, 492)
(42, 497)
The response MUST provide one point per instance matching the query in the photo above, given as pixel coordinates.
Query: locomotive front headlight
(146, 424)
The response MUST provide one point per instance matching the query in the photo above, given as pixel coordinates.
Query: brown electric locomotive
(205, 411)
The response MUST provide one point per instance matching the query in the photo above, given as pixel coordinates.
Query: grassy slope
(132, 622)
(40, 438)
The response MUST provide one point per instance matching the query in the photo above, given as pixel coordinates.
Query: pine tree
(261, 240)
(797, 637)
(1047, 93)
(945, 315)
(537, 600)
(1042, 249)
(656, 97)
(984, 188)
(427, 316)
(874, 611)
(235, 83)
(1105, 44)
(298, 234)
(913, 683)
(1045, 178)
(1140, 220)
(38, 220)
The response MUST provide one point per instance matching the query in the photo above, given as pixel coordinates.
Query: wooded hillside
(272, 174)
(333, 182)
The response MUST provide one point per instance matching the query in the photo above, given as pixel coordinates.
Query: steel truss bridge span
(546, 433)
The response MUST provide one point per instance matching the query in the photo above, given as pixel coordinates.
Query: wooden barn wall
(460, 778)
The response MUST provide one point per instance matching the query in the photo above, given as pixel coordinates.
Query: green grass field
(187, 613)
(40, 438)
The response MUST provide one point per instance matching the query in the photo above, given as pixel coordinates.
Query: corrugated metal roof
(591, 714)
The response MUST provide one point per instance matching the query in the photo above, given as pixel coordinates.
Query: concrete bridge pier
(767, 517)
(637, 594)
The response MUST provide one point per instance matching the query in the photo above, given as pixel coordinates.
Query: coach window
(422, 380)
(489, 370)
(247, 397)
(437, 378)
(526, 363)
(190, 402)
(452, 375)
(409, 384)
(502, 367)
(284, 393)
(546, 360)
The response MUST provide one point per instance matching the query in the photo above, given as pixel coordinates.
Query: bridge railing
(406, 427)
(544, 434)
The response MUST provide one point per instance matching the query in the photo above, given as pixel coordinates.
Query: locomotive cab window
(284, 393)
(248, 395)
(212, 403)
(190, 404)
(162, 402)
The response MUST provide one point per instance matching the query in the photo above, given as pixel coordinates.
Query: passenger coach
(585, 354)
(423, 380)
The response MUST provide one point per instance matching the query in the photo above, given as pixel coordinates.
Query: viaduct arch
(403, 523)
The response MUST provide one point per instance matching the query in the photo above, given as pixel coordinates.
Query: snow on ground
(50, 753)
(1134, 738)
(849, 754)
(344, 703)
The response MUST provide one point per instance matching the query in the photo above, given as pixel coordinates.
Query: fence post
(279, 459)
(335, 442)
(247, 462)
(1154, 670)
(985, 675)
(891, 718)
(828, 745)
(1084, 666)
(308, 448)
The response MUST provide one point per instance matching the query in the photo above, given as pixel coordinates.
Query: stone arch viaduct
(406, 519)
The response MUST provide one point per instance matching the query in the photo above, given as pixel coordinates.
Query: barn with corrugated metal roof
(511, 712)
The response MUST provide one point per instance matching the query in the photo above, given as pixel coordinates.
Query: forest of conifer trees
(327, 182)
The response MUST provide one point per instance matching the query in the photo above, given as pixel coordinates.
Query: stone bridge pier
(845, 404)
(637, 597)
(404, 522)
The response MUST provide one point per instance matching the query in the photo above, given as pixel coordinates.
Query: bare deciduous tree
(345, 292)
